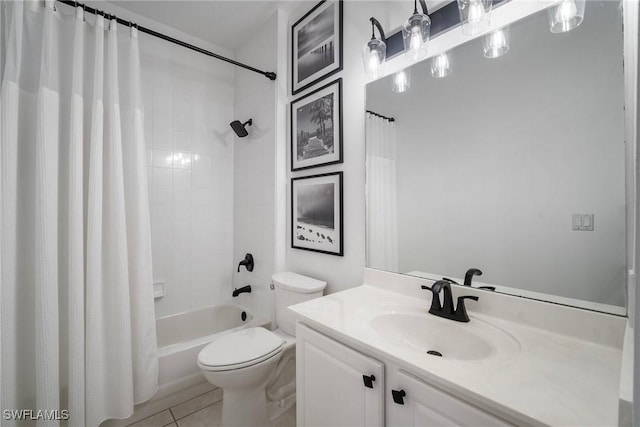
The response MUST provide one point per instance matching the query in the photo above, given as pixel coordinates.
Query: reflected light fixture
(440, 65)
(374, 52)
(566, 16)
(475, 15)
(415, 32)
(496, 44)
(401, 81)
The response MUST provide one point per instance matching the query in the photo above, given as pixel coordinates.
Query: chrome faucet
(446, 308)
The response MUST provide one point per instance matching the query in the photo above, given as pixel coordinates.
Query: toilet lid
(241, 348)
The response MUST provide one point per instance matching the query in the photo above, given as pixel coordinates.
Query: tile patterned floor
(201, 411)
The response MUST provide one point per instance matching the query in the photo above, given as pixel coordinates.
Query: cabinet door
(424, 405)
(330, 387)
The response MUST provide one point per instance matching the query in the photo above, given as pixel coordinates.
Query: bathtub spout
(243, 289)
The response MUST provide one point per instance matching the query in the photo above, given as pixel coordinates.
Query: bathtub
(182, 336)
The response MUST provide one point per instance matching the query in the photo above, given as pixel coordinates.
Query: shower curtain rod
(391, 119)
(268, 74)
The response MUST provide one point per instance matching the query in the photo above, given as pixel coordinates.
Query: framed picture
(316, 45)
(316, 213)
(316, 128)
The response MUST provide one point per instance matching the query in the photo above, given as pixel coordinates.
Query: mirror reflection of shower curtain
(382, 213)
(77, 328)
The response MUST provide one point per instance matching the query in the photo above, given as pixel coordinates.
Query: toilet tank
(292, 288)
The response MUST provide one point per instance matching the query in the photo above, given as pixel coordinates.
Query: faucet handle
(468, 277)
(461, 310)
(435, 299)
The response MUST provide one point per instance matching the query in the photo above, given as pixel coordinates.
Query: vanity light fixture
(374, 52)
(566, 16)
(496, 44)
(475, 15)
(415, 32)
(401, 81)
(440, 65)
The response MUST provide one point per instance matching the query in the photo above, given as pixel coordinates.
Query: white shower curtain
(77, 324)
(382, 213)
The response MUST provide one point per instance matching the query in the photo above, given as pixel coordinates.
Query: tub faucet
(247, 262)
(446, 309)
(241, 290)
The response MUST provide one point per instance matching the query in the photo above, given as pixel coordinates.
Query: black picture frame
(318, 233)
(308, 69)
(304, 105)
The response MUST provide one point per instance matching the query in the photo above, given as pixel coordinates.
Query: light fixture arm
(423, 4)
(376, 24)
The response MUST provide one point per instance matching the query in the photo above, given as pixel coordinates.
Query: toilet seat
(240, 349)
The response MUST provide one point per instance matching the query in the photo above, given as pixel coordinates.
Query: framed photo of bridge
(316, 50)
(316, 128)
(317, 214)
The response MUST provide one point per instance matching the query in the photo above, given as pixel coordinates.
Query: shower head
(239, 128)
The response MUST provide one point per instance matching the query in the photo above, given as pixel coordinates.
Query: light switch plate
(582, 222)
(587, 222)
(576, 221)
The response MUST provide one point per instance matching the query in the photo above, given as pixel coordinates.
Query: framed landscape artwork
(316, 50)
(317, 214)
(316, 128)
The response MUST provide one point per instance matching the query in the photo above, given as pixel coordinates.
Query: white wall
(341, 272)
(255, 168)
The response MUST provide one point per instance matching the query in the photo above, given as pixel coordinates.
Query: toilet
(242, 363)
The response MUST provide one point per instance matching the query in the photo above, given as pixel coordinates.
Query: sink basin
(425, 333)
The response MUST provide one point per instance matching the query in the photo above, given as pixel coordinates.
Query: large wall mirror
(513, 165)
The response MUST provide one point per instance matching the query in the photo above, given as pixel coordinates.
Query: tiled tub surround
(567, 371)
(189, 101)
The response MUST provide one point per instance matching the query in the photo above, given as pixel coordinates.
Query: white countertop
(554, 379)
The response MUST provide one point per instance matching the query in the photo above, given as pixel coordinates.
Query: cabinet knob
(398, 396)
(368, 380)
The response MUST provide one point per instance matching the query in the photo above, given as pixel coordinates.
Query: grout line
(173, 415)
(193, 398)
(199, 410)
(153, 415)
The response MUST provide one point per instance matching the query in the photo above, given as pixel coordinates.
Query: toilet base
(245, 408)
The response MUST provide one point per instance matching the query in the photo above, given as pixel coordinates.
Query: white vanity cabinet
(331, 390)
(330, 383)
(413, 402)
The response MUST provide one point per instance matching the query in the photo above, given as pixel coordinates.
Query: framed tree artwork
(316, 128)
(316, 50)
(317, 213)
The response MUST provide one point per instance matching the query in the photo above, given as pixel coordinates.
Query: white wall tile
(188, 102)
(162, 177)
(254, 174)
(162, 158)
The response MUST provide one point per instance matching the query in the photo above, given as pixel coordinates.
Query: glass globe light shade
(475, 15)
(415, 35)
(401, 81)
(373, 57)
(440, 65)
(566, 16)
(496, 44)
